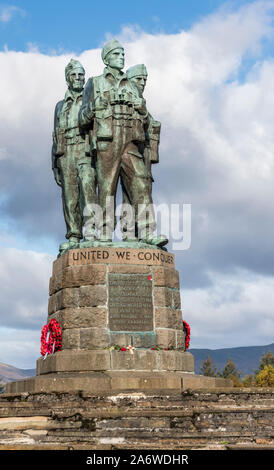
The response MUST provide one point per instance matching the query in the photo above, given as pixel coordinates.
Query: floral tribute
(116, 347)
(186, 328)
(51, 338)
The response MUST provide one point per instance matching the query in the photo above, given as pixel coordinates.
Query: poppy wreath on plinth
(51, 338)
(186, 328)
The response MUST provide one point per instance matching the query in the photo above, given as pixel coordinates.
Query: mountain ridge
(246, 358)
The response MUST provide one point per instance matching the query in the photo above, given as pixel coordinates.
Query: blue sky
(75, 26)
(210, 83)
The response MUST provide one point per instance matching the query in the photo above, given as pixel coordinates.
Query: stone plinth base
(100, 383)
(107, 296)
(105, 360)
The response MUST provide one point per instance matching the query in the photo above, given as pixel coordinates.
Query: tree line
(262, 377)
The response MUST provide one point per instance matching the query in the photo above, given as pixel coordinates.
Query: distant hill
(246, 358)
(9, 373)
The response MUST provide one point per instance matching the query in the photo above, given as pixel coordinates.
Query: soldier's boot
(72, 243)
(129, 235)
(90, 237)
(159, 240)
(105, 238)
(129, 239)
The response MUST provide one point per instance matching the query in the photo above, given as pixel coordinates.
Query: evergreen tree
(2, 388)
(266, 360)
(208, 369)
(231, 372)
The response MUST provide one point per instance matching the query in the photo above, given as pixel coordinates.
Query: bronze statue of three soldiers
(104, 132)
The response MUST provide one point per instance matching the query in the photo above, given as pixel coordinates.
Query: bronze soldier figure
(150, 149)
(115, 114)
(72, 167)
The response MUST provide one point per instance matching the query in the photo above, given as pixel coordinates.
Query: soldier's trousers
(78, 187)
(120, 157)
(129, 226)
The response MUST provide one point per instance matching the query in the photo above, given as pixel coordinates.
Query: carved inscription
(130, 302)
(120, 256)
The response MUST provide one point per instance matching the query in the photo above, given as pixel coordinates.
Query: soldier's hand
(100, 103)
(57, 176)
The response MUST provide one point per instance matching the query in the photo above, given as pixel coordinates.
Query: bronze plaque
(130, 302)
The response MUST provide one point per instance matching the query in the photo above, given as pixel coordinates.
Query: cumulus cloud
(24, 279)
(237, 307)
(212, 89)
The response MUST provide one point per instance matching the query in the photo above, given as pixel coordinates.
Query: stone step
(187, 420)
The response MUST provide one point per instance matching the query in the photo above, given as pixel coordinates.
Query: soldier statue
(115, 117)
(150, 149)
(71, 164)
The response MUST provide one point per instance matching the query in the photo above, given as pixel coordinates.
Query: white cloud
(8, 13)
(20, 348)
(237, 310)
(24, 280)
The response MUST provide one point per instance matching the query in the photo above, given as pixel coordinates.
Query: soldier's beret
(110, 46)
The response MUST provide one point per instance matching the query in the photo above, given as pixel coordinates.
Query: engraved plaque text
(130, 302)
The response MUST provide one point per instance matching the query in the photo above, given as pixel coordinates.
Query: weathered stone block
(162, 297)
(71, 338)
(63, 299)
(176, 299)
(137, 380)
(92, 296)
(135, 360)
(121, 339)
(166, 317)
(165, 338)
(165, 277)
(74, 361)
(94, 338)
(75, 276)
(180, 339)
(81, 317)
(177, 361)
(145, 340)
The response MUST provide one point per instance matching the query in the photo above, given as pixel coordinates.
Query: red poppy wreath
(187, 334)
(51, 338)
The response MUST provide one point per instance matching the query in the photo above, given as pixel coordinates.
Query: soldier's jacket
(66, 127)
(120, 94)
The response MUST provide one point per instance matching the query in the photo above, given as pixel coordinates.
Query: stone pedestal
(102, 297)
(105, 297)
